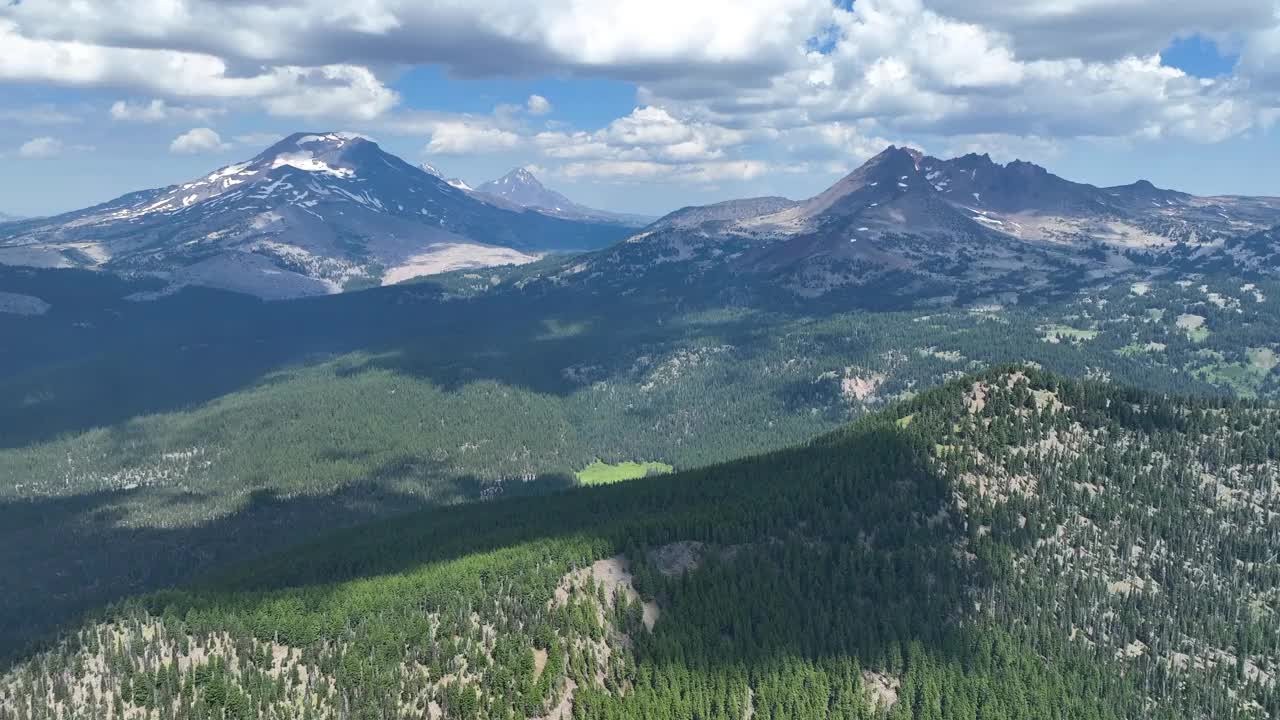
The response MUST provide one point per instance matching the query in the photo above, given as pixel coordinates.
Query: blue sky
(641, 107)
(1199, 56)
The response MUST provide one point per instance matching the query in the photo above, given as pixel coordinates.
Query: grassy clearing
(1242, 379)
(1193, 325)
(603, 473)
(1058, 333)
(1245, 379)
(1136, 349)
(1264, 359)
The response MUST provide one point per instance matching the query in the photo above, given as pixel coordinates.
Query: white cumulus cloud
(719, 82)
(462, 137)
(908, 68)
(652, 143)
(157, 110)
(647, 133)
(638, 39)
(197, 140)
(44, 114)
(538, 105)
(1107, 29)
(41, 147)
(288, 90)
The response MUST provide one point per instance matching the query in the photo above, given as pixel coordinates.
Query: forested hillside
(1011, 545)
(150, 441)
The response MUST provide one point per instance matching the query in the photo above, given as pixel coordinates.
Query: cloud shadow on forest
(109, 360)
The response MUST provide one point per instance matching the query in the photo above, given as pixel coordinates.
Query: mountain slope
(1257, 254)
(883, 236)
(522, 189)
(909, 229)
(458, 183)
(230, 427)
(313, 214)
(726, 212)
(1030, 203)
(1143, 192)
(1010, 546)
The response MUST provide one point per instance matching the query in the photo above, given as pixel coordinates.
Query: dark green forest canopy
(1011, 545)
(154, 441)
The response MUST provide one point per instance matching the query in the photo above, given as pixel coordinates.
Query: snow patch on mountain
(459, 183)
(446, 257)
(18, 304)
(309, 162)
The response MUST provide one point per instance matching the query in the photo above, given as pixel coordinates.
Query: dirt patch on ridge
(614, 575)
(677, 558)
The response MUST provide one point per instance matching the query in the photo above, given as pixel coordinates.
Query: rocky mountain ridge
(906, 228)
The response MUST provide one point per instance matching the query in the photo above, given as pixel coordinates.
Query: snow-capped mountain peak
(521, 176)
(313, 213)
(521, 188)
(324, 157)
(334, 153)
(458, 183)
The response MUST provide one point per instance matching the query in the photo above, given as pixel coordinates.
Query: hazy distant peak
(521, 188)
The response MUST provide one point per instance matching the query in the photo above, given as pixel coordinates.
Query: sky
(639, 105)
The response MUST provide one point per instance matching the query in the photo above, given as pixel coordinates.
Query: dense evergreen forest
(1010, 545)
(151, 441)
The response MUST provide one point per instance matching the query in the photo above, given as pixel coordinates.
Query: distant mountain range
(325, 212)
(315, 213)
(5, 217)
(907, 228)
(520, 189)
